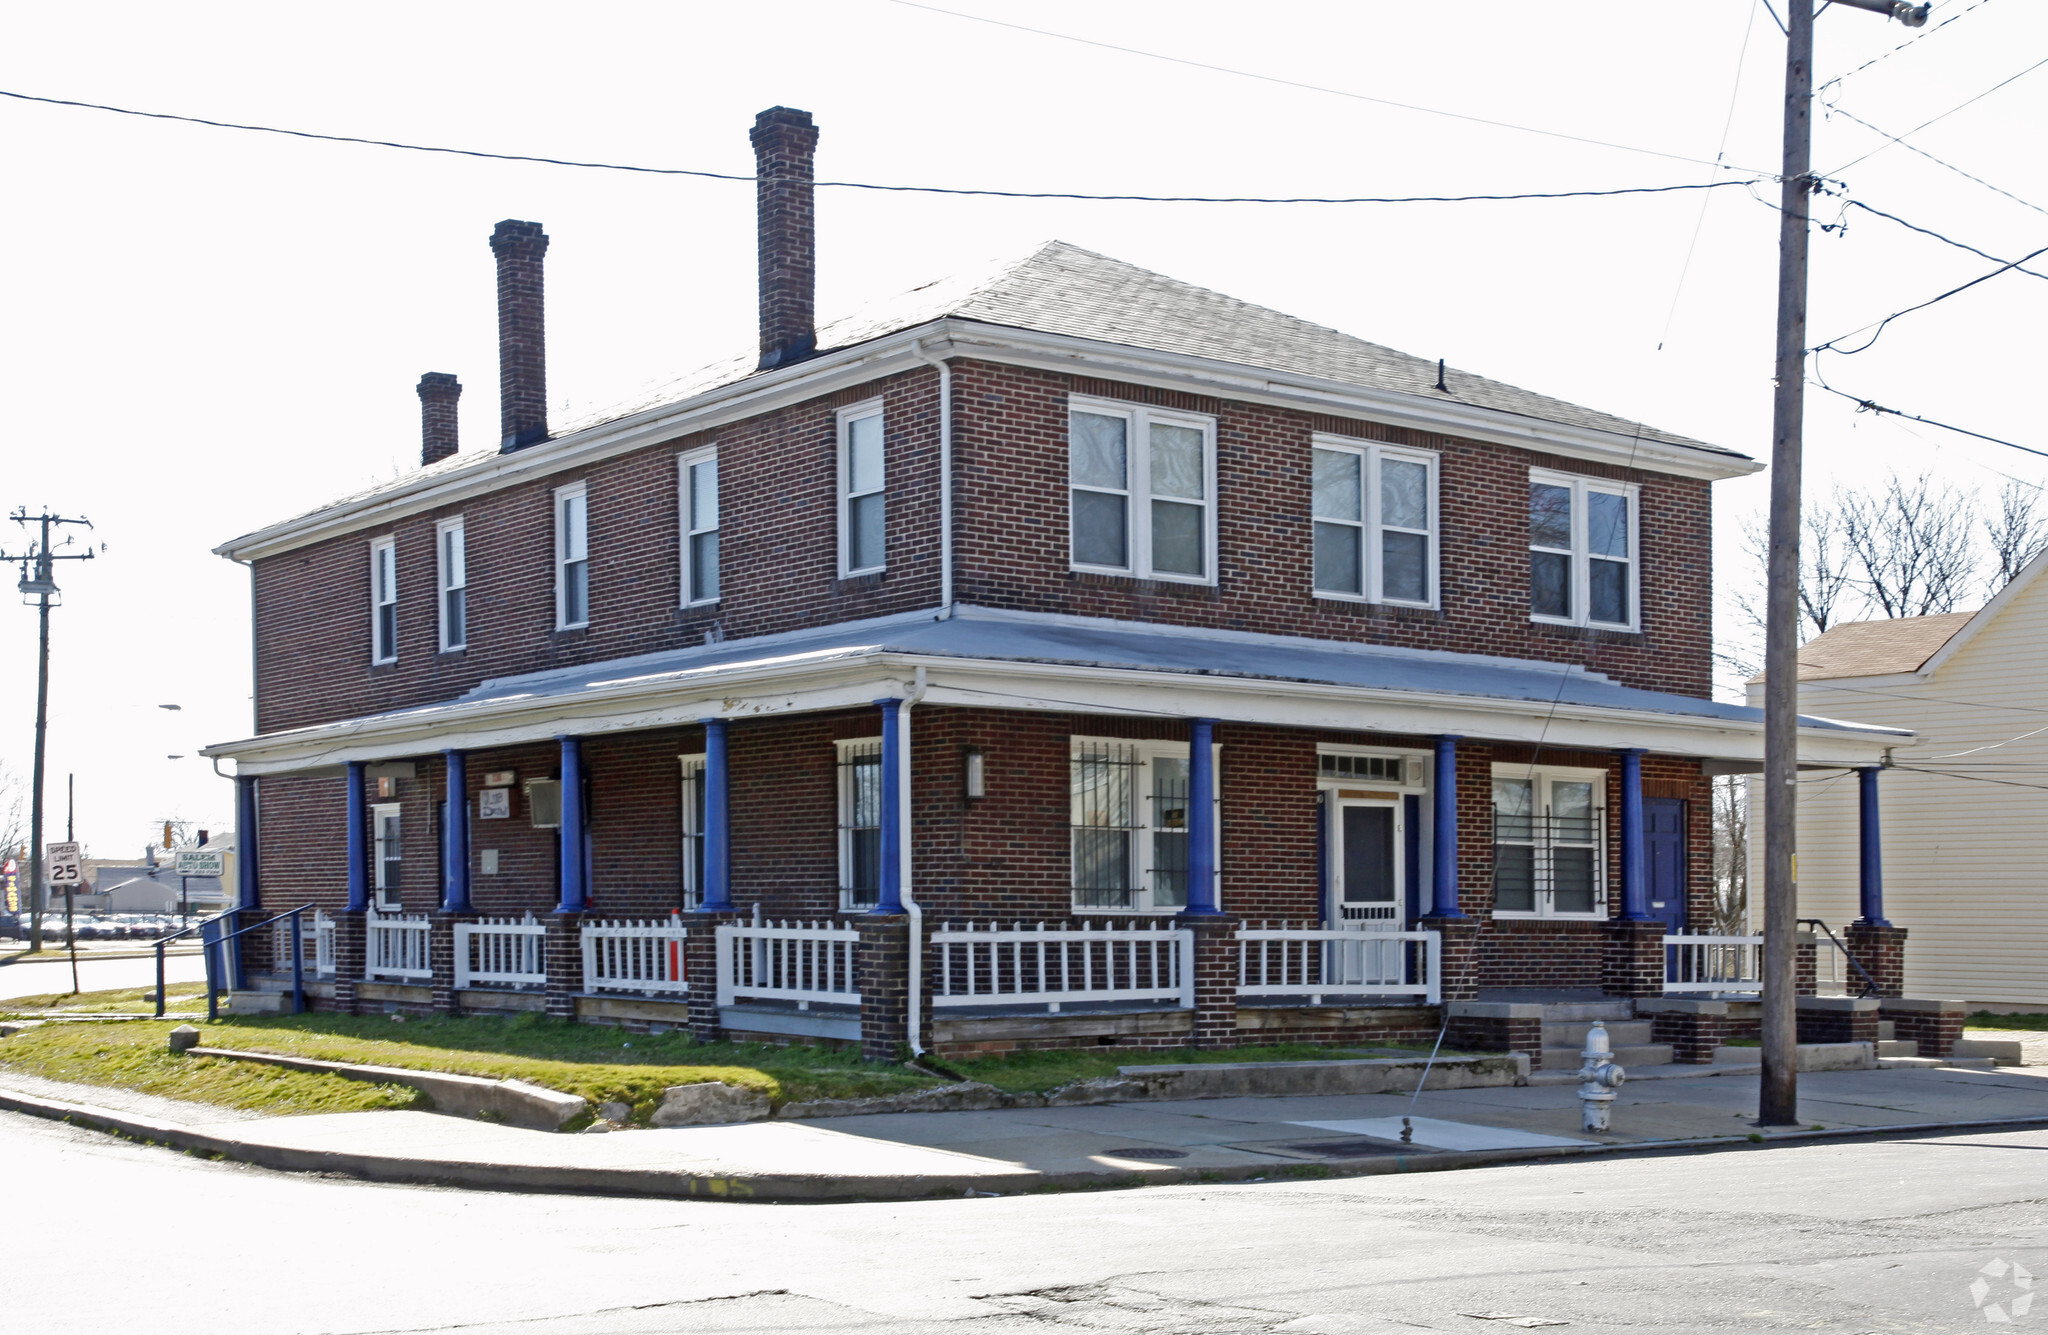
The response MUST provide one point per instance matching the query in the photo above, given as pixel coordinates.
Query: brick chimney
(785, 144)
(522, 350)
(439, 392)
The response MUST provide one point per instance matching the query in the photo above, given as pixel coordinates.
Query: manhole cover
(1350, 1148)
(1145, 1152)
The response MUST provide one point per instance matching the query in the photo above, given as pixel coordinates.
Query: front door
(1664, 848)
(1365, 857)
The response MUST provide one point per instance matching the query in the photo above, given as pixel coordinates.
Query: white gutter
(945, 478)
(905, 863)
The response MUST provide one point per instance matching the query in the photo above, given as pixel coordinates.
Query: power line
(1720, 153)
(869, 185)
(1946, 240)
(1917, 37)
(1310, 87)
(1950, 166)
(1898, 139)
(1973, 778)
(1869, 406)
(1878, 327)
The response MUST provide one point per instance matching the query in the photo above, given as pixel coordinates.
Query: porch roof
(1020, 660)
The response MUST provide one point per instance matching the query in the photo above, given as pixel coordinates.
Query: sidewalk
(906, 1156)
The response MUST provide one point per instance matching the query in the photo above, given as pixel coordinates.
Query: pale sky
(208, 330)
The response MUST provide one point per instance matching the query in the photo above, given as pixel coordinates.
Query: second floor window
(863, 491)
(454, 587)
(1375, 523)
(1582, 551)
(384, 601)
(572, 557)
(700, 526)
(1141, 488)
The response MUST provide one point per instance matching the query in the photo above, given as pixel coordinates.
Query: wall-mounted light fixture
(977, 774)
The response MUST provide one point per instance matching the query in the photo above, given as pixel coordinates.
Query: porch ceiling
(1012, 660)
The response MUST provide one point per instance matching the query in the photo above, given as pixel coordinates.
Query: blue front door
(1664, 840)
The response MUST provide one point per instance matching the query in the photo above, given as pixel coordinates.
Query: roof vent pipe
(439, 393)
(522, 347)
(785, 149)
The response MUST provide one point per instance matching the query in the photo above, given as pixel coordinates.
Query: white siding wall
(1965, 861)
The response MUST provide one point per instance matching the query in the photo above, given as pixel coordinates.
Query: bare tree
(1731, 856)
(2017, 533)
(1823, 569)
(1913, 544)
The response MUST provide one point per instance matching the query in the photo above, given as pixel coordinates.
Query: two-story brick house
(1064, 596)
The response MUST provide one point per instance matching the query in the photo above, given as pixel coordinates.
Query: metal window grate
(860, 823)
(1558, 856)
(693, 831)
(1104, 783)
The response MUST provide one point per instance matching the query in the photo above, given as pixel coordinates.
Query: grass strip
(1994, 1020)
(116, 1000)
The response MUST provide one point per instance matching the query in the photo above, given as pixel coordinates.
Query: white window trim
(1141, 840)
(684, 463)
(1543, 777)
(1414, 768)
(844, 481)
(441, 531)
(575, 490)
(843, 783)
(1138, 499)
(388, 898)
(1370, 525)
(691, 773)
(1580, 485)
(382, 549)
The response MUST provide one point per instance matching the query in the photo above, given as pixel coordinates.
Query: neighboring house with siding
(1067, 594)
(1963, 808)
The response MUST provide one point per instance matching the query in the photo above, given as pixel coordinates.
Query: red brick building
(1058, 654)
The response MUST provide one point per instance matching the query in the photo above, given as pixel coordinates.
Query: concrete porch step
(1629, 1055)
(1580, 1012)
(1897, 1047)
(1563, 1033)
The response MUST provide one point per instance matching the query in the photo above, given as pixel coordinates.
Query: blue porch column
(247, 892)
(1202, 818)
(889, 890)
(455, 835)
(716, 896)
(358, 841)
(575, 894)
(1635, 861)
(1444, 855)
(1870, 853)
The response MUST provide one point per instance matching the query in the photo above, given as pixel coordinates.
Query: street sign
(202, 862)
(65, 867)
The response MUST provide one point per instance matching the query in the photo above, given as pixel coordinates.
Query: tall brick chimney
(785, 144)
(522, 349)
(439, 392)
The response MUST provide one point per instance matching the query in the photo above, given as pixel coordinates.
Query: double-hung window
(1582, 551)
(863, 491)
(572, 557)
(1141, 492)
(384, 601)
(1375, 522)
(1548, 843)
(693, 830)
(388, 855)
(699, 499)
(1129, 824)
(860, 823)
(454, 585)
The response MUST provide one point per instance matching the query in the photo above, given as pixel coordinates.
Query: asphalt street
(1879, 1236)
(94, 975)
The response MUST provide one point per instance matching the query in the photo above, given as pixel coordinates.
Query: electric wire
(1899, 139)
(1720, 155)
(870, 185)
(1949, 166)
(1864, 405)
(1877, 327)
(1945, 240)
(1917, 37)
(1311, 87)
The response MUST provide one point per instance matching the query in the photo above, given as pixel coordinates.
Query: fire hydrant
(1600, 1077)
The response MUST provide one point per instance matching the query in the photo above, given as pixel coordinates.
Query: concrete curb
(513, 1101)
(819, 1189)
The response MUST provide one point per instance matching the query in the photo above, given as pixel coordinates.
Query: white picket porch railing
(1338, 963)
(509, 952)
(1037, 965)
(396, 947)
(788, 961)
(1695, 963)
(316, 944)
(639, 957)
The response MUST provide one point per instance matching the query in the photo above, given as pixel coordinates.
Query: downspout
(909, 893)
(945, 480)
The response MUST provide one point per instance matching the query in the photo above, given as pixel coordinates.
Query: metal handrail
(210, 944)
(1869, 983)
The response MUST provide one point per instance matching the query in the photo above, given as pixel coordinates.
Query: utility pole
(43, 587)
(1778, 1098)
